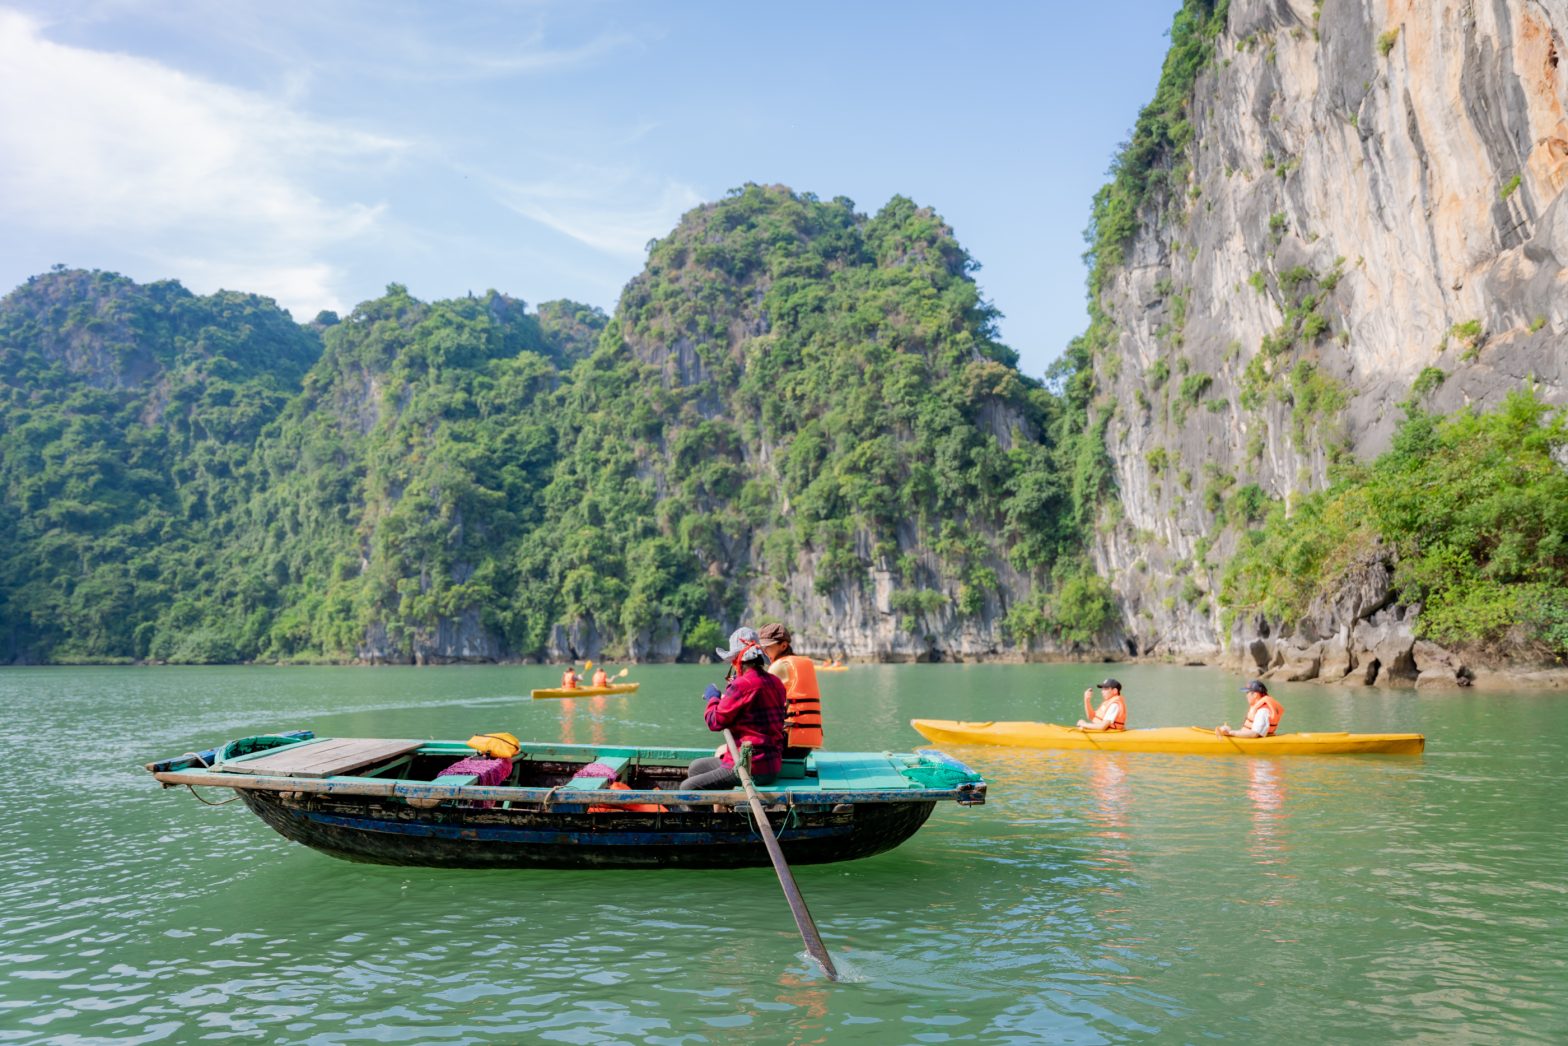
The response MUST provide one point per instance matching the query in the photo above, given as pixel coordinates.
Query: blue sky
(316, 152)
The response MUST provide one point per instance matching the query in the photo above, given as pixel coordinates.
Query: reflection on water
(1096, 897)
(594, 716)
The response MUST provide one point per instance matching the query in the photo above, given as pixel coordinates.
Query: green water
(1096, 898)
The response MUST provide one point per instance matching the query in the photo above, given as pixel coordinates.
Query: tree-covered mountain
(796, 410)
(128, 420)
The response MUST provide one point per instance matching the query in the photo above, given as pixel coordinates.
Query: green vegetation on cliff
(1472, 510)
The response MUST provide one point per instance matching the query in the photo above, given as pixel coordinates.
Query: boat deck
(324, 757)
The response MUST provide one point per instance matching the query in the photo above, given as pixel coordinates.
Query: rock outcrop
(1371, 209)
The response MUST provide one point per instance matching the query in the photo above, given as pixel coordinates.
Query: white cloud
(134, 153)
(611, 211)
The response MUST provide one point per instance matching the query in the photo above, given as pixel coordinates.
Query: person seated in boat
(1112, 713)
(803, 701)
(1263, 713)
(751, 707)
(601, 678)
(569, 678)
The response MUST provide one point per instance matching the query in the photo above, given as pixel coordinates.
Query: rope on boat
(209, 802)
(192, 790)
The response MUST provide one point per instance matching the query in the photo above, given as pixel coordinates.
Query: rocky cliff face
(1371, 208)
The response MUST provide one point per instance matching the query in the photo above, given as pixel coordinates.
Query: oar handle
(797, 904)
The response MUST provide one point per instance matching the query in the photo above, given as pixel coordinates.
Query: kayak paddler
(1263, 713)
(601, 677)
(1112, 713)
(569, 680)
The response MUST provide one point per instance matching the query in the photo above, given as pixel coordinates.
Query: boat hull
(368, 829)
(1182, 740)
(612, 690)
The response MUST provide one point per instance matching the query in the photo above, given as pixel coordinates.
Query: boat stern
(935, 769)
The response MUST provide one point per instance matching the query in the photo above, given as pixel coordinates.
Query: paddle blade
(622, 673)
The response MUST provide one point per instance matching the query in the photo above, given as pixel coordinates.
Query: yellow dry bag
(496, 746)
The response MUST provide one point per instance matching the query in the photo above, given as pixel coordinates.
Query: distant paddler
(1112, 713)
(1263, 713)
(601, 678)
(569, 678)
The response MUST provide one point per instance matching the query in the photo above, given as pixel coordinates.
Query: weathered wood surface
(325, 758)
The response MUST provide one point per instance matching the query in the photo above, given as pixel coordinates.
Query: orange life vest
(615, 808)
(803, 703)
(1275, 711)
(569, 679)
(1120, 722)
(601, 678)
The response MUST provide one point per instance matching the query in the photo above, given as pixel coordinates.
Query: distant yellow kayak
(832, 668)
(587, 691)
(1187, 740)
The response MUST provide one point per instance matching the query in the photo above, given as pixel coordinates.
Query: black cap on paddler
(1110, 684)
(1255, 685)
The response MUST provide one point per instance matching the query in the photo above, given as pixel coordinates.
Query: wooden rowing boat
(586, 691)
(1188, 740)
(384, 801)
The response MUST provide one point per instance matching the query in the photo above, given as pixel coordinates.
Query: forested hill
(797, 411)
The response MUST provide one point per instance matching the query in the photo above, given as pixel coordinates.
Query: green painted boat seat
(614, 762)
(456, 779)
(792, 770)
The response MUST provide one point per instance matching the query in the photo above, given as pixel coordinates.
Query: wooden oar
(797, 903)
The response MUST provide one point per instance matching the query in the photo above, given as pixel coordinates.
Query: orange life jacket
(615, 808)
(569, 679)
(1275, 711)
(1120, 722)
(601, 678)
(803, 703)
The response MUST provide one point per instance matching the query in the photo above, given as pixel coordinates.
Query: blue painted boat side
(564, 837)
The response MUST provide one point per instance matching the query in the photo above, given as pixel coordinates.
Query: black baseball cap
(1254, 684)
(1110, 683)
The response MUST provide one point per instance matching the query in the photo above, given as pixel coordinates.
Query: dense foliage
(1473, 511)
(791, 390)
(127, 418)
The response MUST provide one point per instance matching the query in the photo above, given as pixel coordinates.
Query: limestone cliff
(1370, 208)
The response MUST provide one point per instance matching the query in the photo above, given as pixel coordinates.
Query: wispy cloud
(125, 148)
(610, 210)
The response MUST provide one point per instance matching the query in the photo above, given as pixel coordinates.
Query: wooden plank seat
(614, 762)
(793, 770)
(326, 757)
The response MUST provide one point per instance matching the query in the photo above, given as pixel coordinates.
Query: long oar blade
(797, 904)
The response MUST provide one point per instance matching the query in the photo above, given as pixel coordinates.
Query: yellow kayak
(587, 691)
(1189, 740)
(832, 668)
